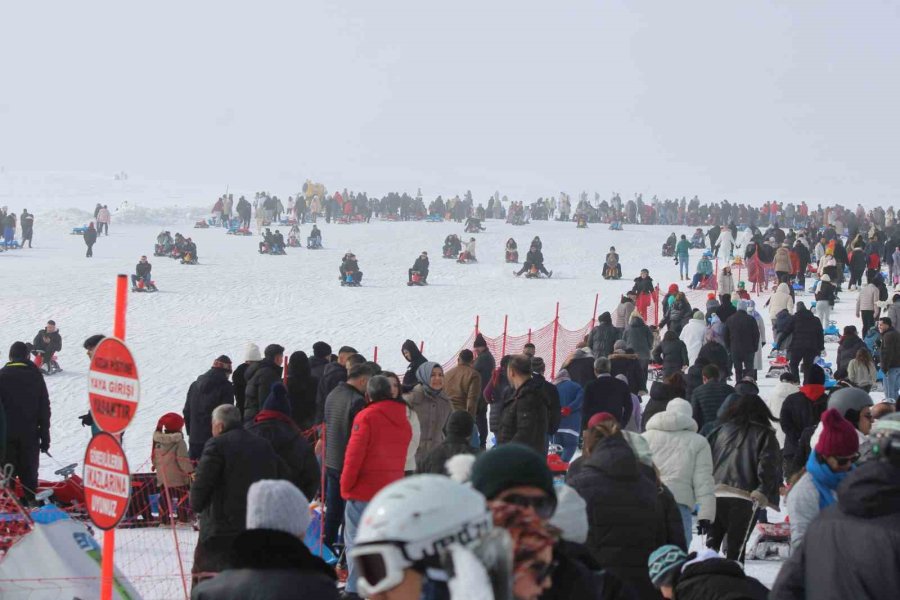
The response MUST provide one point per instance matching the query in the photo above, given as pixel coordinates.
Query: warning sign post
(107, 481)
(113, 387)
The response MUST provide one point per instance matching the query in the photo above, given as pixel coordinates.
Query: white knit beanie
(279, 505)
(252, 354)
(571, 514)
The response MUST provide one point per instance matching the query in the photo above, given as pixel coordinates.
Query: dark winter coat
(660, 395)
(602, 338)
(302, 388)
(581, 369)
(746, 460)
(270, 564)
(606, 394)
(826, 292)
(416, 360)
(639, 338)
(890, 349)
(24, 399)
(706, 401)
(206, 393)
(54, 345)
(142, 269)
(577, 575)
(624, 526)
(497, 394)
(317, 366)
(847, 349)
(239, 383)
(852, 549)
(692, 380)
(287, 441)
(333, 374)
(260, 377)
(629, 366)
(643, 286)
(806, 334)
(725, 311)
(90, 237)
(457, 440)
(742, 334)
(673, 355)
(230, 464)
(798, 412)
(718, 579)
(341, 407)
(485, 365)
(679, 315)
(524, 418)
(715, 354)
(551, 397)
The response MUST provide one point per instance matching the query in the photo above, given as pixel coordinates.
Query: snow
(236, 295)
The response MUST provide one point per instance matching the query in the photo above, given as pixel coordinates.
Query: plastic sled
(349, 280)
(201, 225)
(778, 365)
(313, 244)
(79, 230)
(433, 219)
(142, 287)
(797, 287)
(769, 541)
(612, 273)
(464, 258)
(416, 279)
(654, 371)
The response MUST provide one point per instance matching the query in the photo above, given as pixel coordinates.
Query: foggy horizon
(751, 102)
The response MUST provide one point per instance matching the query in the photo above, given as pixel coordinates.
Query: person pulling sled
(350, 274)
(140, 280)
(452, 246)
(314, 241)
(418, 275)
(611, 267)
(534, 263)
(44, 347)
(512, 251)
(468, 255)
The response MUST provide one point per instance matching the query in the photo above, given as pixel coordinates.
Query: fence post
(477, 322)
(422, 346)
(596, 304)
(555, 334)
(529, 335)
(656, 308)
(375, 358)
(284, 371)
(503, 347)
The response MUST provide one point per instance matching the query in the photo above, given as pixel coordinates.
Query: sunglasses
(541, 571)
(843, 461)
(543, 506)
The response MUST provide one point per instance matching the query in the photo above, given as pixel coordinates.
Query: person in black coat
(803, 258)
(661, 393)
(334, 373)
(606, 394)
(852, 549)
(622, 362)
(849, 345)
(551, 395)
(799, 411)
(716, 354)
(807, 338)
(726, 309)
(90, 238)
(320, 358)
(231, 462)
(457, 440)
(26, 404)
(707, 399)
(274, 423)
(416, 359)
(47, 341)
(302, 388)
(485, 365)
(534, 258)
(420, 265)
(524, 417)
(580, 365)
(624, 524)
(142, 272)
(603, 336)
(671, 353)
(260, 377)
(742, 339)
(210, 390)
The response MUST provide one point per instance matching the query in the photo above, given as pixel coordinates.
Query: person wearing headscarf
(431, 405)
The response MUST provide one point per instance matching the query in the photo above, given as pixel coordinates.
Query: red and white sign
(107, 481)
(113, 386)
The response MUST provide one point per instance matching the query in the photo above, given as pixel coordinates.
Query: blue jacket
(571, 395)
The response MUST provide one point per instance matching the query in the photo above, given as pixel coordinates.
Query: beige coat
(462, 384)
(433, 410)
(170, 459)
(783, 260)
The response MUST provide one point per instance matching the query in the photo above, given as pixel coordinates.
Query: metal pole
(503, 347)
(596, 304)
(555, 335)
(375, 358)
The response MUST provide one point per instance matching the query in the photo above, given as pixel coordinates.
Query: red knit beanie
(171, 422)
(838, 437)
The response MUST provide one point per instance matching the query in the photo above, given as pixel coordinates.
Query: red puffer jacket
(376, 453)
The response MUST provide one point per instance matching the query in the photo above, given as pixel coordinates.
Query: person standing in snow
(485, 365)
(302, 388)
(260, 377)
(742, 340)
(603, 336)
(26, 221)
(210, 390)
(239, 377)
(333, 373)
(103, 221)
(173, 467)
(462, 384)
(571, 401)
(682, 257)
(801, 410)
(90, 238)
(693, 335)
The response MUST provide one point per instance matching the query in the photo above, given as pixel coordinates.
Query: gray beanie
(277, 504)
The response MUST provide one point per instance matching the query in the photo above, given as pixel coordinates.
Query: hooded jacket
(807, 336)
(524, 418)
(170, 459)
(206, 393)
(456, 441)
(53, 345)
(260, 377)
(376, 453)
(416, 360)
(341, 407)
(288, 442)
(693, 336)
(720, 579)
(672, 354)
(571, 397)
(847, 349)
(742, 334)
(333, 374)
(639, 338)
(24, 398)
(624, 526)
(661, 393)
(302, 388)
(851, 545)
(781, 300)
(683, 457)
(603, 337)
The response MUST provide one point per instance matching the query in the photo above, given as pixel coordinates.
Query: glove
(703, 526)
(565, 411)
(45, 448)
(87, 420)
(758, 497)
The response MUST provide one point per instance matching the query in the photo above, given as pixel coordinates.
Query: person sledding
(534, 262)
(350, 273)
(698, 239)
(418, 275)
(611, 267)
(452, 246)
(512, 251)
(164, 244)
(468, 255)
(189, 252)
(473, 225)
(668, 248)
(141, 280)
(704, 272)
(314, 241)
(44, 347)
(643, 291)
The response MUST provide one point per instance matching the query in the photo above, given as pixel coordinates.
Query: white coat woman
(684, 460)
(780, 300)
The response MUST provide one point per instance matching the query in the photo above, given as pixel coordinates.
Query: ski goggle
(380, 567)
(544, 506)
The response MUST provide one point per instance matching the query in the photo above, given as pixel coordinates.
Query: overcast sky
(745, 100)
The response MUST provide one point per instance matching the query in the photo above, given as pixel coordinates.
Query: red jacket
(376, 453)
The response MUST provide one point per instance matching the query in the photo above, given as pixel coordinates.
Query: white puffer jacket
(683, 457)
(781, 299)
(693, 336)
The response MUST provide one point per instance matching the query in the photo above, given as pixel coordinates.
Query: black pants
(24, 456)
(102, 228)
(855, 278)
(732, 521)
(743, 365)
(783, 276)
(90, 251)
(482, 423)
(528, 265)
(868, 320)
(808, 359)
(211, 556)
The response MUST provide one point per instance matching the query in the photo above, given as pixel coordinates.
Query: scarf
(813, 391)
(423, 375)
(825, 480)
(274, 415)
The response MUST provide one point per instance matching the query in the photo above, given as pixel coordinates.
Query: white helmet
(409, 523)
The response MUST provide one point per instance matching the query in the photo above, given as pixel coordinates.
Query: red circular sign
(113, 386)
(107, 481)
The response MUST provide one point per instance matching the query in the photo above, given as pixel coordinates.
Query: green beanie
(508, 466)
(665, 563)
